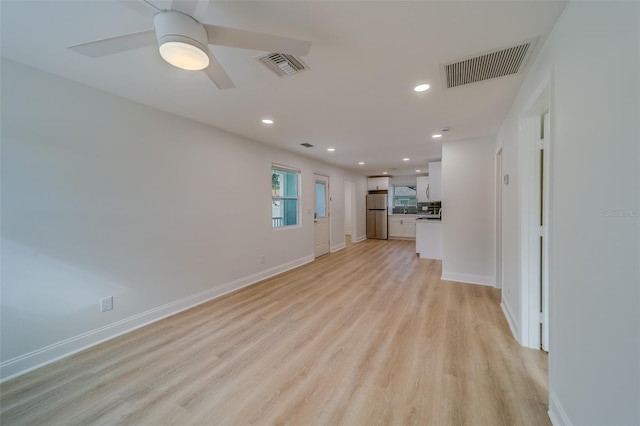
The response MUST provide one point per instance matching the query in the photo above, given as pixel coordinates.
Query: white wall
(467, 210)
(348, 209)
(403, 180)
(592, 60)
(102, 196)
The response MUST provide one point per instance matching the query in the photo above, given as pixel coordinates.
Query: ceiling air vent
(307, 145)
(282, 64)
(492, 64)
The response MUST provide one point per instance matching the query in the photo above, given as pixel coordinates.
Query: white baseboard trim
(358, 239)
(513, 325)
(43, 356)
(469, 278)
(338, 247)
(556, 412)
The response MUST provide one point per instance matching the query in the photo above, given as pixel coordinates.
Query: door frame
(327, 206)
(499, 194)
(533, 300)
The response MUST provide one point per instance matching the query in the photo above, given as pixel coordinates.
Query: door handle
(427, 191)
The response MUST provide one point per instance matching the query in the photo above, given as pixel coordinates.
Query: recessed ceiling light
(385, 173)
(421, 87)
(405, 159)
(361, 163)
(418, 171)
(267, 121)
(331, 149)
(436, 136)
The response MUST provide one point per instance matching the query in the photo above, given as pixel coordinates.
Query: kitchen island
(429, 238)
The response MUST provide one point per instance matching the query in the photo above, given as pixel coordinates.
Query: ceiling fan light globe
(184, 55)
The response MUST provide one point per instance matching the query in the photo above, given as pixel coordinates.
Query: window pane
(277, 180)
(404, 196)
(277, 218)
(321, 208)
(290, 185)
(290, 212)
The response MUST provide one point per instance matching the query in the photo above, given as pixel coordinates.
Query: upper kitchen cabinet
(423, 190)
(378, 184)
(435, 181)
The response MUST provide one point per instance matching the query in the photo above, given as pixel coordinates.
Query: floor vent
(282, 64)
(492, 64)
(307, 145)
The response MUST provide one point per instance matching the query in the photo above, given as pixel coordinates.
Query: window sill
(284, 228)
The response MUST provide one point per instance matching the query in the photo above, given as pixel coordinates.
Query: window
(284, 197)
(321, 199)
(404, 196)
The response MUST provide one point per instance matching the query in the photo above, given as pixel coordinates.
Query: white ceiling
(357, 96)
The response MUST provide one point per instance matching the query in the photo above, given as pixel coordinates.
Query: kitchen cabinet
(378, 184)
(422, 189)
(429, 239)
(402, 226)
(435, 181)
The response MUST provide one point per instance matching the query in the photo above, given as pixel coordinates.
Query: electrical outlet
(106, 304)
(262, 259)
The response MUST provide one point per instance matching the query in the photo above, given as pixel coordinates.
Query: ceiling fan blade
(109, 46)
(142, 7)
(221, 36)
(217, 74)
(193, 8)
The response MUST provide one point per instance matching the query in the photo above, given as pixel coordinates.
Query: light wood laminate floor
(365, 336)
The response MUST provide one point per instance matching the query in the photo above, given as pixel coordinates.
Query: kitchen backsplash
(405, 210)
(430, 207)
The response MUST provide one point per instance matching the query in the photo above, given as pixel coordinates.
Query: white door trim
(498, 216)
(546, 184)
(529, 187)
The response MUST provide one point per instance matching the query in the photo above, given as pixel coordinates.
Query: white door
(321, 223)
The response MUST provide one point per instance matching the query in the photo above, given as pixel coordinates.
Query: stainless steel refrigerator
(377, 216)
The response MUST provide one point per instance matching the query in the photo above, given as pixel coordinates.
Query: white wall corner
(46, 355)
(556, 412)
(513, 324)
(469, 278)
(358, 238)
(338, 247)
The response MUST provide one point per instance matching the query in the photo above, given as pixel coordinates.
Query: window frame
(297, 198)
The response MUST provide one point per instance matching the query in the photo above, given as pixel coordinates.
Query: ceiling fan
(183, 40)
